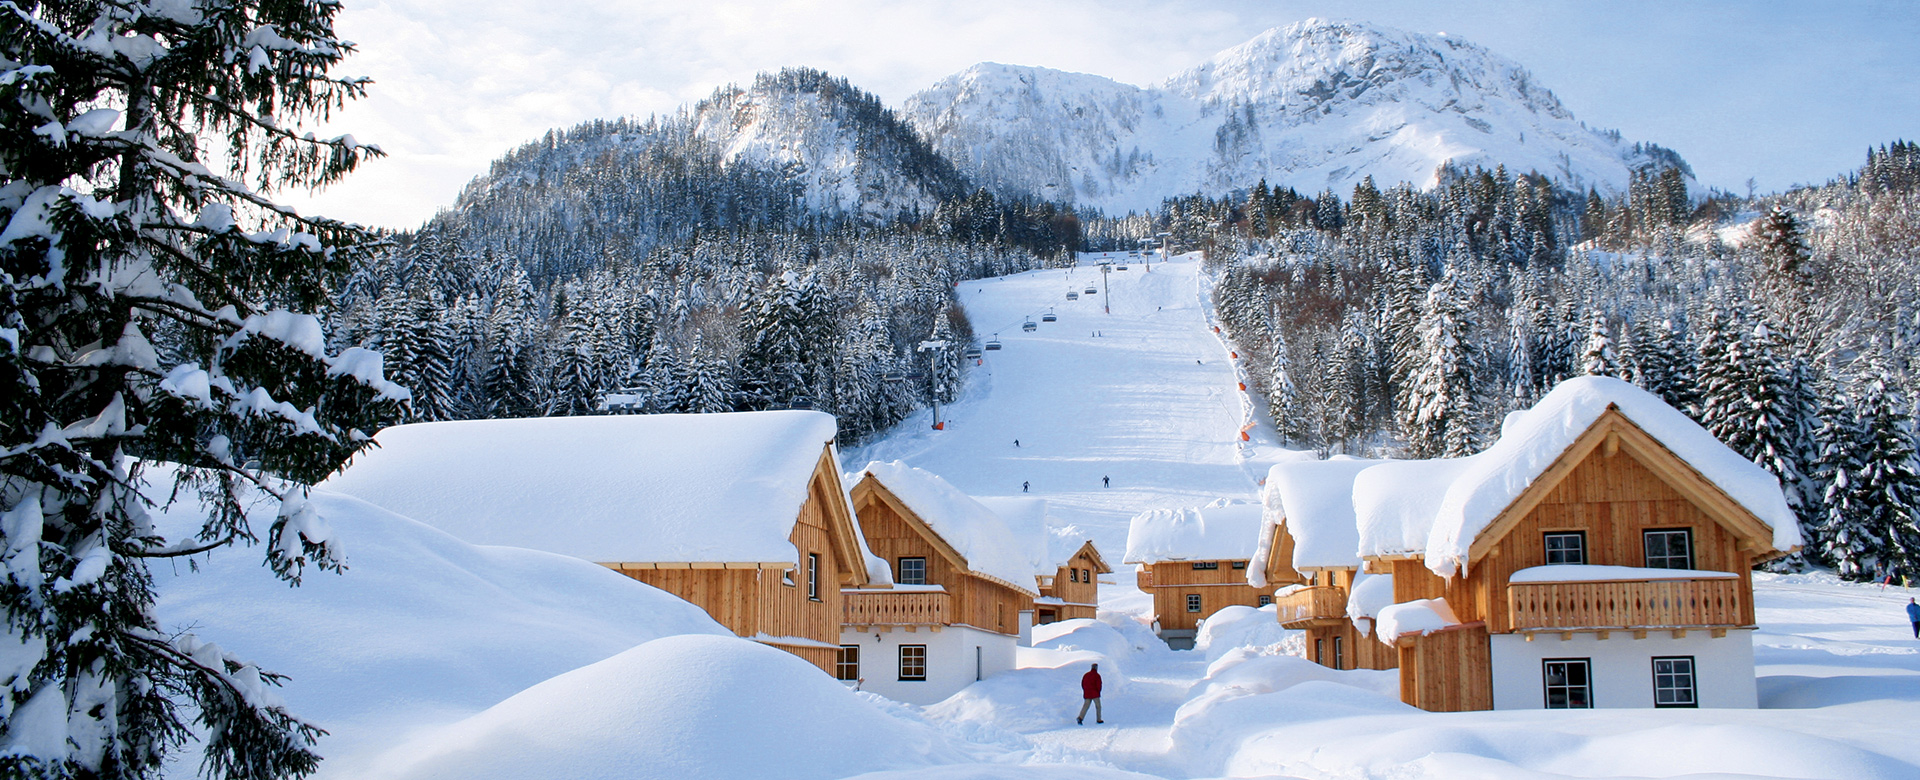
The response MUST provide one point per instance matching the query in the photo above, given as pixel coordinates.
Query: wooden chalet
(1194, 563)
(963, 588)
(1069, 566)
(1309, 548)
(1597, 555)
(743, 514)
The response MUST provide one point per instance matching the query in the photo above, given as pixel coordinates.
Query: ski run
(474, 654)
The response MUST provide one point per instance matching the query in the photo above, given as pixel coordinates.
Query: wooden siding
(1636, 604)
(897, 608)
(1450, 670)
(1219, 588)
(1076, 594)
(1307, 607)
(977, 602)
(1361, 652)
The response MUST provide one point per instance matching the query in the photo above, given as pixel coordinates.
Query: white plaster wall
(950, 659)
(1622, 667)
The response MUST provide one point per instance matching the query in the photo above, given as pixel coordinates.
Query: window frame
(1206, 565)
(845, 669)
(1546, 544)
(1194, 603)
(1238, 565)
(1646, 553)
(1692, 675)
(921, 661)
(1339, 652)
(900, 570)
(1264, 599)
(1567, 688)
(813, 576)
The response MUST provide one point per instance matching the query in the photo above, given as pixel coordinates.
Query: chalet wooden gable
(1614, 435)
(843, 530)
(1092, 555)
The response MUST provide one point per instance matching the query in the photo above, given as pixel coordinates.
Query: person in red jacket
(1090, 694)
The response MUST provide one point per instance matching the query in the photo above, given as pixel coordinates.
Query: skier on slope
(1106, 482)
(1023, 487)
(1913, 615)
(1090, 695)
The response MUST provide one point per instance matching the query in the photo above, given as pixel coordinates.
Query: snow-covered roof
(1436, 508)
(1221, 531)
(1052, 543)
(673, 488)
(1314, 499)
(990, 547)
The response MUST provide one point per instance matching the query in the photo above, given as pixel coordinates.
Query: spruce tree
(1599, 358)
(155, 309)
(1438, 403)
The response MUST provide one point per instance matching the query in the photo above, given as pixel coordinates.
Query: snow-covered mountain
(1313, 105)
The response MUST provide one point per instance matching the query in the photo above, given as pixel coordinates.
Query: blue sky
(1780, 92)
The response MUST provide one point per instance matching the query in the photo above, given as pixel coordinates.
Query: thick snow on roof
(1472, 491)
(1054, 544)
(623, 488)
(981, 536)
(1371, 594)
(420, 628)
(1593, 573)
(1419, 616)
(1219, 531)
(1315, 501)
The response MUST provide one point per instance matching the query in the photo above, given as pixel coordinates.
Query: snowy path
(1151, 401)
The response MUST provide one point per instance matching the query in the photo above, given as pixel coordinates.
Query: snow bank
(1246, 694)
(1371, 593)
(1240, 626)
(1438, 507)
(679, 708)
(422, 628)
(1592, 573)
(1221, 531)
(989, 546)
(1314, 501)
(627, 488)
(1420, 616)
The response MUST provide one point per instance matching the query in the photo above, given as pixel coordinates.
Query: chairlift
(993, 346)
(894, 376)
(973, 353)
(1049, 318)
(1119, 268)
(1029, 326)
(1073, 296)
(1092, 291)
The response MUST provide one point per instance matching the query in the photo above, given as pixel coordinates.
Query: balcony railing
(1319, 605)
(895, 608)
(1626, 604)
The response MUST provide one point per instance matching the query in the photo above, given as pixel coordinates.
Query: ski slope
(1131, 384)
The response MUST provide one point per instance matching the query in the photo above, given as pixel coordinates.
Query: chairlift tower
(933, 348)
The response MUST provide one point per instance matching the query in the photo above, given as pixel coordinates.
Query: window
(1569, 686)
(1239, 564)
(813, 576)
(1339, 652)
(1566, 547)
(1206, 566)
(1073, 575)
(1320, 651)
(913, 571)
(1673, 682)
(1669, 548)
(1086, 575)
(1193, 602)
(846, 665)
(913, 663)
(1265, 599)
(1313, 578)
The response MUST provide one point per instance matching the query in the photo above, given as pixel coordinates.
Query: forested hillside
(1409, 322)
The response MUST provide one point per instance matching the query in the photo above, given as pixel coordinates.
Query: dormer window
(1566, 547)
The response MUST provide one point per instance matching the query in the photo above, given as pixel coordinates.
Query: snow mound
(1221, 531)
(679, 708)
(422, 628)
(1449, 502)
(982, 537)
(1238, 626)
(616, 488)
(1371, 593)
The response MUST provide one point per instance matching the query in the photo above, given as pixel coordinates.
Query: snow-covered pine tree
(1847, 539)
(510, 380)
(155, 308)
(1437, 408)
(706, 381)
(773, 366)
(1283, 397)
(1759, 404)
(1882, 525)
(1599, 358)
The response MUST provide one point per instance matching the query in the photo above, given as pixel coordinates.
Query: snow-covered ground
(432, 657)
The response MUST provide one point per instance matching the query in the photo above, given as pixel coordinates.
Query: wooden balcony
(896, 608)
(1627, 605)
(1322, 605)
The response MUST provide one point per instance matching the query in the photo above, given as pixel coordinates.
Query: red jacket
(1090, 685)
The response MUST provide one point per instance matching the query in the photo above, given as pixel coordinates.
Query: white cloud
(1782, 91)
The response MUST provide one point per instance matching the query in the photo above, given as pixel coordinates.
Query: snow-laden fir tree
(1761, 405)
(774, 363)
(1287, 412)
(1599, 357)
(1437, 409)
(1848, 540)
(1880, 524)
(705, 381)
(154, 310)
